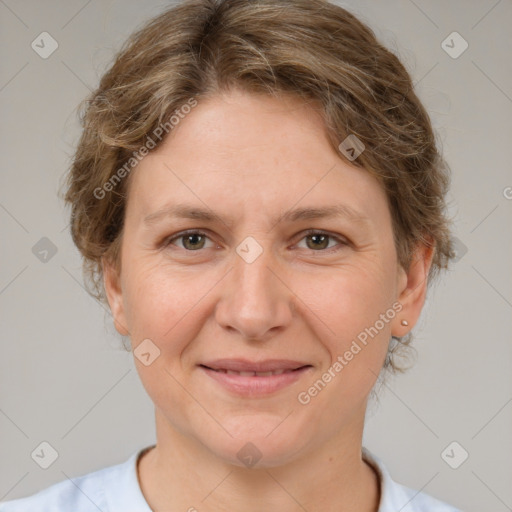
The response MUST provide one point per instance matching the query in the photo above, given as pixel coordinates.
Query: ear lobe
(413, 290)
(112, 284)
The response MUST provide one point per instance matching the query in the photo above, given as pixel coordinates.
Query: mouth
(249, 378)
(252, 374)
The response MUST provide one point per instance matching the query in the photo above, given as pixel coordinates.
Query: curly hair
(312, 49)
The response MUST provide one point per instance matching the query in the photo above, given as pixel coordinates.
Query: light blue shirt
(116, 489)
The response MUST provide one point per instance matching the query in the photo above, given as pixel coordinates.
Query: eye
(192, 240)
(319, 240)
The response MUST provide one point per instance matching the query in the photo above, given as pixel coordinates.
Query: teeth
(254, 374)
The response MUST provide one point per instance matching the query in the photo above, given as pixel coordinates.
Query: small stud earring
(404, 323)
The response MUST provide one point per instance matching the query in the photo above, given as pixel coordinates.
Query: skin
(249, 158)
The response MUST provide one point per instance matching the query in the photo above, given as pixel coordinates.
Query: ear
(412, 290)
(112, 284)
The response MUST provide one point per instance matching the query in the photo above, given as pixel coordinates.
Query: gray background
(64, 377)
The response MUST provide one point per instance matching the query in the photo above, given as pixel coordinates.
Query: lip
(244, 365)
(226, 373)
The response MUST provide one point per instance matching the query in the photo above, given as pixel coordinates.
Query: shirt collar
(123, 490)
(392, 495)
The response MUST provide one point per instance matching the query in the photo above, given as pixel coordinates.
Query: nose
(256, 300)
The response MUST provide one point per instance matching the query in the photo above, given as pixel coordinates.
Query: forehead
(240, 148)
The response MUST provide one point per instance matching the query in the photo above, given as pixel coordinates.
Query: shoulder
(105, 489)
(415, 501)
(81, 494)
(395, 496)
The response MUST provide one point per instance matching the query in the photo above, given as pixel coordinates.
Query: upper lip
(244, 365)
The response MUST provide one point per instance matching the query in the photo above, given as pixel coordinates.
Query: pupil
(319, 238)
(191, 239)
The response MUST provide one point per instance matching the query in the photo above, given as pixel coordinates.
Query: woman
(258, 196)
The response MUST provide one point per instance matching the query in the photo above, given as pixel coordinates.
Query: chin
(263, 442)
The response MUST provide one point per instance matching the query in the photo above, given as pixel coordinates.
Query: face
(261, 281)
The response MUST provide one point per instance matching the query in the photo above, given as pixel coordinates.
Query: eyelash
(309, 232)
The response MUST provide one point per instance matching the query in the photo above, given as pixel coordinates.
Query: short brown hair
(312, 49)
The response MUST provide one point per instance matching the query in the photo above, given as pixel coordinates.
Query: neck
(334, 477)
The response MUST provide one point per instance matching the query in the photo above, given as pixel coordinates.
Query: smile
(250, 379)
(255, 374)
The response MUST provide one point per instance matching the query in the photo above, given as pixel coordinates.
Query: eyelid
(202, 232)
(342, 241)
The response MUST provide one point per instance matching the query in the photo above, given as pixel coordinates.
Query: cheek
(356, 340)
(353, 311)
(348, 299)
(161, 304)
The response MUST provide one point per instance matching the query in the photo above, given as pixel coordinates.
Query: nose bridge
(252, 270)
(257, 300)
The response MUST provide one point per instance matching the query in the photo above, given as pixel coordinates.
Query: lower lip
(254, 385)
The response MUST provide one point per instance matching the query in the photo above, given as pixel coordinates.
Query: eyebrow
(183, 211)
